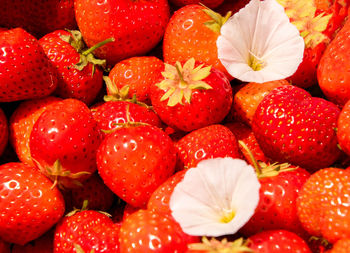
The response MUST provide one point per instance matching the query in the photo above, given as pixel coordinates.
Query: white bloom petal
(261, 30)
(215, 189)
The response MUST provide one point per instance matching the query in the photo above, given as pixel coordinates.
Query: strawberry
(30, 204)
(280, 185)
(113, 114)
(86, 231)
(277, 241)
(209, 3)
(4, 131)
(38, 17)
(191, 95)
(317, 26)
(4, 247)
(43, 244)
(25, 71)
(207, 142)
(232, 6)
(160, 198)
(343, 133)
(79, 75)
(147, 231)
(93, 190)
(322, 204)
(140, 24)
(192, 33)
(21, 124)
(332, 76)
(341, 246)
(244, 133)
(134, 160)
(248, 97)
(63, 142)
(292, 126)
(137, 75)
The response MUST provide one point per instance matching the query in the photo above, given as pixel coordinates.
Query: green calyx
(224, 246)
(217, 20)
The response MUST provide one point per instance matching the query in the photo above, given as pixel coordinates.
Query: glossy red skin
(139, 74)
(25, 71)
(160, 198)
(137, 26)
(147, 231)
(343, 125)
(110, 113)
(277, 241)
(206, 107)
(43, 244)
(67, 132)
(277, 204)
(29, 205)
(207, 142)
(322, 204)
(244, 133)
(22, 121)
(38, 17)
(291, 126)
(72, 83)
(90, 229)
(134, 160)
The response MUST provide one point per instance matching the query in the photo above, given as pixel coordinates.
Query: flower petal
(211, 190)
(261, 29)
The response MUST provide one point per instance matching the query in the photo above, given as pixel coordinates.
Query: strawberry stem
(255, 163)
(98, 45)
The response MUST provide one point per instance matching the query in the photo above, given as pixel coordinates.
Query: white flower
(215, 198)
(259, 44)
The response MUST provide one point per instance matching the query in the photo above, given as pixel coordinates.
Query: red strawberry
(322, 205)
(207, 142)
(343, 128)
(4, 131)
(30, 204)
(113, 114)
(21, 124)
(25, 71)
(86, 231)
(208, 3)
(292, 126)
(191, 95)
(79, 75)
(38, 17)
(244, 133)
(160, 198)
(280, 185)
(64, 141)
(134, 160)
(137, 75)
(4, 247)
(43, 244)
(140, 24)
(146, 231)
(93, 190)
(277, 241)
(341, 246)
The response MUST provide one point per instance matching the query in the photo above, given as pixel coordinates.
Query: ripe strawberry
(25, 71)
(30, 205)
(317, 27)
(244, 133)
(93, 190)
(136, 74)
(341, 246)
(233, 6)
(79, 75)
(112, 114)
(21, 124)
(277, 241)
(248, 97)
(160, 198)
(147, 231)
(63, 142)
(343, 133)
(333, 80)
(134, 160)
(141, 25)
(43, 244)
(292, 126)
(191, 95)
(208, 3)
(38, 17)
(192, 33)
(280, 185)
(86, 231)
(322, 205)
(207, 142)
(4, 131)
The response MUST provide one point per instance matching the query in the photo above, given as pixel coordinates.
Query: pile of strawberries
(105, 104)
